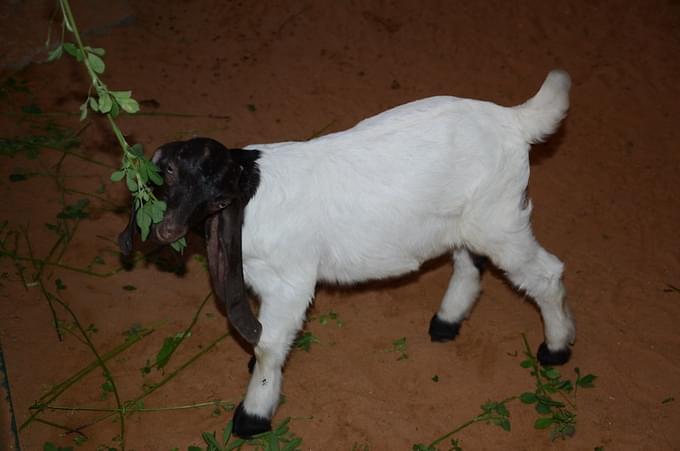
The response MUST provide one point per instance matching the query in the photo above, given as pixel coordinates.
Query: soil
(605, 195)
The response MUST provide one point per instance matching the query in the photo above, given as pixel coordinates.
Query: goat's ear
(225, 261)
(125, 237)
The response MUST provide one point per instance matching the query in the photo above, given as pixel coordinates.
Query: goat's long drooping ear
(223, 238)
(125, 237)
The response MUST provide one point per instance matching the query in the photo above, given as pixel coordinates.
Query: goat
(437, 175)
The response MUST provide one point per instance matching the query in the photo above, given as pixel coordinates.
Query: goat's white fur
(433, 176)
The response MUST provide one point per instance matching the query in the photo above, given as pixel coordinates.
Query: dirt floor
(605, 194)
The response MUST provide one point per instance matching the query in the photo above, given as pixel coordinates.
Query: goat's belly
(380, 263)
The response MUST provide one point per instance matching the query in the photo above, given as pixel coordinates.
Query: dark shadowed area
(604, 190)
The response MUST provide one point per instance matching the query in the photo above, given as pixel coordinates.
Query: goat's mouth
(168, 233)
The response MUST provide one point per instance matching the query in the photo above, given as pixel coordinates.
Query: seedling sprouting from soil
(399, 345)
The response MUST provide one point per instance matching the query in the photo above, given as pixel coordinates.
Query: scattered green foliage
(280, 438)
(48, 135)
(77, 210)
(554, 414)
(668, 400)
(49, 446)
(305, 341)
(435, 378)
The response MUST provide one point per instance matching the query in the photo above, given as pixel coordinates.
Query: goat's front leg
(281, 313)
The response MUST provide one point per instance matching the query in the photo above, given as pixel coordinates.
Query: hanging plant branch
(139, 173)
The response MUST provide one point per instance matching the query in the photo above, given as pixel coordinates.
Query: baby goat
(438, 175)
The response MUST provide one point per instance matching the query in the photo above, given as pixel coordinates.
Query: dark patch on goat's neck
(250, 177)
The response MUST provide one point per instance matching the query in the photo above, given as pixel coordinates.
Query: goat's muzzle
(168, 232)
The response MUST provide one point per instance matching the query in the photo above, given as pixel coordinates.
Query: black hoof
(251, 365)
(246, 425)
(550, 358)
(442, 330)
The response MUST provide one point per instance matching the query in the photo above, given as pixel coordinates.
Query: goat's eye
(169, 170)
(221, 203)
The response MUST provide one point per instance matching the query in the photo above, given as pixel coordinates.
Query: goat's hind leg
(460, 296)
(539, 273)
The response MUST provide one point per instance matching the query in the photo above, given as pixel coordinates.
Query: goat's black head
(204, 181)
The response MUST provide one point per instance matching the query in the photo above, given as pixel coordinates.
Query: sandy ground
(605, 194)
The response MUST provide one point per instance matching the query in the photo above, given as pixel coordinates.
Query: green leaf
(83, 111)
(154, 174)
(118, 176)
(168, 348)
(97, 51)
(194, 448)
(93, 104)
(144, 222)
(55, 54)
(226, 433)
(543, 409)
(115, 110)
(73, 50)
(129, 287)
(130, 106)
(96, 63)
(120, 95)
(505, 424)
(550, 373)
(543, 423)
(526, 363)
(209, 438)
(131, 183)
(157, 210)
(104, 102)
(586, 381)
(528, 398)
(137, 150)
(179, 245)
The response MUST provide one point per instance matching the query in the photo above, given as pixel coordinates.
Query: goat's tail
(541, 115)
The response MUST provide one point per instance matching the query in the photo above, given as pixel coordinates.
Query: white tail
(541, 115)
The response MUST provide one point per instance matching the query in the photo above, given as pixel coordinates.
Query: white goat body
(397, 189)
(437, 175)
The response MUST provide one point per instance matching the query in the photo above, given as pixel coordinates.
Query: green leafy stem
(139, 173)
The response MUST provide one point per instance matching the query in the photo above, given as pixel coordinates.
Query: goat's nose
(166, 233)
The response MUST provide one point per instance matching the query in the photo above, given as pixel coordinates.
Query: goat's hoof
(547, 357)
(442, 331)
(251, 365)
(247, 425)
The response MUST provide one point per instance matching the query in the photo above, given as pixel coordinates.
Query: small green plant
(554, 413)
(399, 345)
(305, 341)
